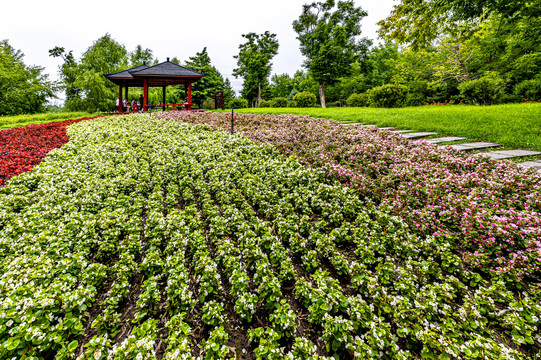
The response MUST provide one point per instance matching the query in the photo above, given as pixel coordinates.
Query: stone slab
(495, 155)
(534, 164)
(401, 131)
(368, 126)
(386, 128)
(507, 154)
(473, 146)
(417, 135)
(444, 139)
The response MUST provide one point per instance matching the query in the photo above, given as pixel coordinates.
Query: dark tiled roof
(127, 73)
(167, 69)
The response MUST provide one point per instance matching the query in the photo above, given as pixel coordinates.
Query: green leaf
(12, 343)
(73, 345)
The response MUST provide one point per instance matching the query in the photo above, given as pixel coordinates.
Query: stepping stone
(444, 139)
(534, 164)
(417, 135)
(368, 126)
(386, 128)
(473, 146)
(401, 131)
(506, 154)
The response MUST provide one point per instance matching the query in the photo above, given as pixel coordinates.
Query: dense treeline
(431, 52)
(23, 89)
(437, 52)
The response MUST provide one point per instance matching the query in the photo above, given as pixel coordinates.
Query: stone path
(444, 139)
(474, 146)
(478, 145)
(507, 154)
(417, 135)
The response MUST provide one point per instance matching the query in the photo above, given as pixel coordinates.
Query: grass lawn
(513, 125)
(21, 120)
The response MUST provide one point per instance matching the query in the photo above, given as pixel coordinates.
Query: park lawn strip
(513, 125)
(146, 238)
(22, 120)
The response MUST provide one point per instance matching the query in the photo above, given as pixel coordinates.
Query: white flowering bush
(147, 238)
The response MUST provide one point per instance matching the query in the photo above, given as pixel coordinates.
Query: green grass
(513, 125)
(21, 120)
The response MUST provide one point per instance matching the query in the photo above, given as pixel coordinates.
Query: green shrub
(291, 94)
(292, 104)
(238, 103)
(486, 90)
(334, 104)
(415, 99)
(357, 100)
(388, 95)
(305, 99)
(208, 104)
(529, 89)
(264, 104)
(278, 102)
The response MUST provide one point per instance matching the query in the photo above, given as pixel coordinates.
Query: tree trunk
(258, 92)
(322, 95)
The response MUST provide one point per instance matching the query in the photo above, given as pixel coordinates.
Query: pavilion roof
(163, 74)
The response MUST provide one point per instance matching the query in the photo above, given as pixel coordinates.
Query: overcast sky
(170, 28)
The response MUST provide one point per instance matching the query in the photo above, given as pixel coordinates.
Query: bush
(486, 90)
(529, 89)
(388, 95)
(305, 99)
(334, 104)
(415, 99)
(292, 104)
(208, 104)
(264, 103)
(278, 102)
(357, 100)
(238, 103)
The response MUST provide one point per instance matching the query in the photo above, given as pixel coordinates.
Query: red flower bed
(22, 148)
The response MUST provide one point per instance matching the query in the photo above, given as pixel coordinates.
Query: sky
(170, 28)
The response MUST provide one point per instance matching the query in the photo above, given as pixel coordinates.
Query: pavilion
(163, 74)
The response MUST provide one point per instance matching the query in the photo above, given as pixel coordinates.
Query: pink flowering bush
(489, 210)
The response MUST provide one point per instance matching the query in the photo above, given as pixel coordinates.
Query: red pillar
(126, 97)
(120, 99)
(145, 96)
(189, 96)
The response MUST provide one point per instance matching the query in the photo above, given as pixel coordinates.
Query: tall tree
(141, 56)
(90, 90)
(421, 22)
(329, 40)
(281, 85)
(209, 84)
(23, 89)
(254, 60)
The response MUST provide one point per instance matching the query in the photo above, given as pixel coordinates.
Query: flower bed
(22, 148)
(487, 210)
(146, 239)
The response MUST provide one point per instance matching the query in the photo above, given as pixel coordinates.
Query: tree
(141, 56)
(254, 61)
(23, 89)
(329, 40)
(281, 85)
(86, 87)
(421, 22)
(209, 84)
